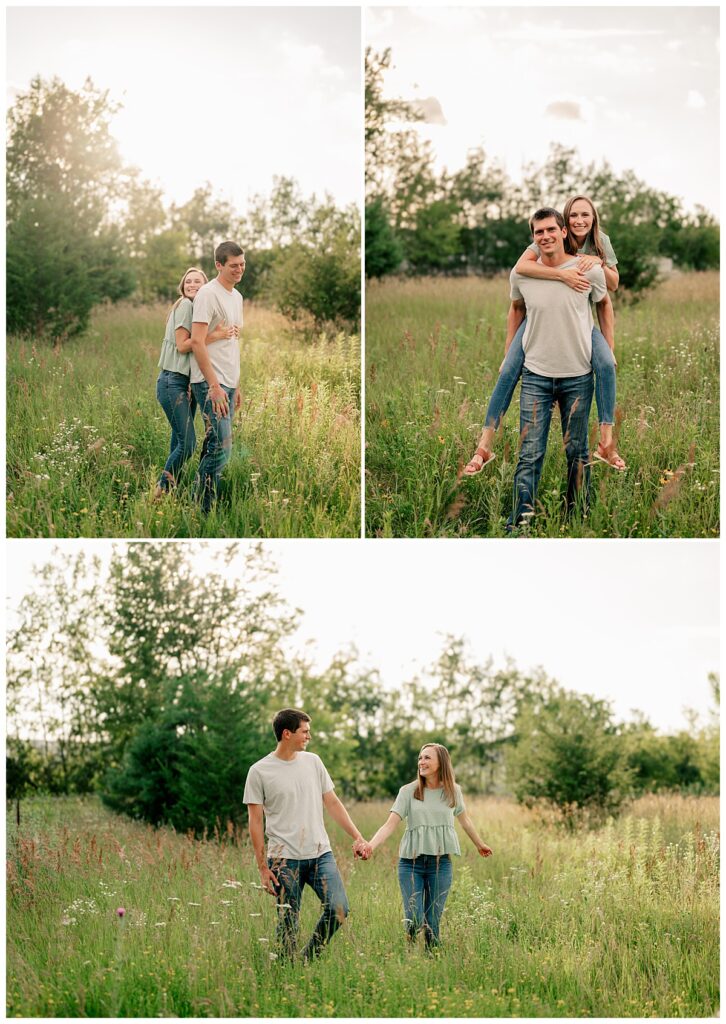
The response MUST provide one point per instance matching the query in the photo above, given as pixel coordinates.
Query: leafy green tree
(569, 754)
(63, 172)
(205, 221)
(384, 252)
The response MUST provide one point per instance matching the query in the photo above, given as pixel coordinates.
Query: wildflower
(160, 924)
(263, 940)
(194, 904)
(173, 899)
(121, 911)
(255, 915)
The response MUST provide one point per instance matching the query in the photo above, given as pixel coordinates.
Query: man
(557, 364)
(291, 787)
(215, 368)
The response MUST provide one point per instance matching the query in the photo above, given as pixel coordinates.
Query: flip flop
(481, 452)
(607, 455)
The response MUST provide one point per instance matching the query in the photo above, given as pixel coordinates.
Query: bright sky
(632, 622)
(638, 86)
(230, 95)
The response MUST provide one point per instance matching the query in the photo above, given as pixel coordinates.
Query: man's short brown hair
(288, 718)
(226, 249)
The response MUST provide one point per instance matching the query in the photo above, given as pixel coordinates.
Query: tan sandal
(610, 457)
(485, 456)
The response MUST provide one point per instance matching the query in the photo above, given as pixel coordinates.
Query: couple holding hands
(291, 788)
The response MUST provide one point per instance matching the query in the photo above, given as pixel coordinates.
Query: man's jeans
(172, 391)
(537, 398)
(217, 446)
(321, 874)
(425, 882)
(603, 363)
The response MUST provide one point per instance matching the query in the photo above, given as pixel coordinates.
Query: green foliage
(568, 753)
(384, 252)
(492, 213)
(63, 171)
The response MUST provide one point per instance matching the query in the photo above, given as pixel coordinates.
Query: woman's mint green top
(171, 358)
(589, 250)
(429, 822)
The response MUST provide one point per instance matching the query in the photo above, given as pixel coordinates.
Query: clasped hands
(362, 849)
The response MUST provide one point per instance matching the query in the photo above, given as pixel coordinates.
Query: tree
(384, 252)
(568, 754)
(205, 222)
(63, 173)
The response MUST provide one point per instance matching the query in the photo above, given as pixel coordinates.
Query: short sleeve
(610, 257)
(183, 315)
(459, 806)
(254, 790)
(514, 292)
(596, 277)
(202, 310)
(326, 783)
(402, 803)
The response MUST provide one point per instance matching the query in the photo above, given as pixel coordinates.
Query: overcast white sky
(636, 85)
(632, 622)
(232, 95)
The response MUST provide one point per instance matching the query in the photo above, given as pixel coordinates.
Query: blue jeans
(217, 446)
(179, 405)
(536, 401)
(425, 882)
(603, 364)
(323, 877)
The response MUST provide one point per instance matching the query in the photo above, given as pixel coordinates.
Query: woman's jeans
(603, 364)
(217, 446)
(425, 882)
(179, 405)
(322, 875)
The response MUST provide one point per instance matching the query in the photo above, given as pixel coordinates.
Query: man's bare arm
(339, 814)
(217, 394)
(257, 836)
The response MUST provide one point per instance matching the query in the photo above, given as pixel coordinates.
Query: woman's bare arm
(528, 266)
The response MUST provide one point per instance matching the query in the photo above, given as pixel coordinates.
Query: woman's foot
(481, 458)
(609, 455)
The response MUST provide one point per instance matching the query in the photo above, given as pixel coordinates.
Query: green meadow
(87, 439)
(433, 350)
(622, 921)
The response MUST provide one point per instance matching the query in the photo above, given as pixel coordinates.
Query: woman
(172, 387)
(593, 247)
(424, 868)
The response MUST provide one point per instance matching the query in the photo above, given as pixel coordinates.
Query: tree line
(155, 686)
(83, 228)
(476, 219)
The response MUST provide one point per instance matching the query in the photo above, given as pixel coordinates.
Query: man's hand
(269, 880)
(219, 400)
(575, 278)
(362, 849)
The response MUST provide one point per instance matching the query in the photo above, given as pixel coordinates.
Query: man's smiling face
(549, 236)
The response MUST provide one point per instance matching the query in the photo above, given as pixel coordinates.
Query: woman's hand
(221, 331)
(484, 850)
(574, 277)
(588, 262)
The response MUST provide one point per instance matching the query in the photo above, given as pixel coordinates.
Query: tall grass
(433, 350)
(87, 439)
(619, 922)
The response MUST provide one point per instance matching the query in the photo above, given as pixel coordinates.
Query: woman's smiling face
(192, 283)
(581, 218)
(428, 763)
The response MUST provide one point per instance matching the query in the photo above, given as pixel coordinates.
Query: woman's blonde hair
(446, 775)
(185, 275)
(593, 236)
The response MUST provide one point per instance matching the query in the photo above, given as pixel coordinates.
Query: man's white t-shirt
(557, 340)
(291, 794)
(213, 304)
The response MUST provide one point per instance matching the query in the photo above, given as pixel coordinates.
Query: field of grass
(433, 350)
(619, 922)
(87, 440)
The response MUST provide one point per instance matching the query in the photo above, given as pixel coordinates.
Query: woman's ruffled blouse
(429, 822)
